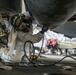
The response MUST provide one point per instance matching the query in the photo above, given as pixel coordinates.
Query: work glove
(44, 29)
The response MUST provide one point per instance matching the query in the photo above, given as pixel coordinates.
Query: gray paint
(12, 4)
(16, 5)
(52, 13)
(69, 29)
(4, 3)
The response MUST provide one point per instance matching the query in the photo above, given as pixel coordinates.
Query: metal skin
(10, 7)
(52, 13)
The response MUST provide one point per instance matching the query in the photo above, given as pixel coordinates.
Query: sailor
(21, 32)
(23, 29)
(23, 25)
(3, 43)
(48, 46)
(54, 46)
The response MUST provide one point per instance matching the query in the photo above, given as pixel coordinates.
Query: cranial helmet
(21, 22)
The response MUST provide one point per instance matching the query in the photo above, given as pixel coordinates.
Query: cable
(40, 53)
(40, 62)
(33, 51)
(41, 46)
(29, 50)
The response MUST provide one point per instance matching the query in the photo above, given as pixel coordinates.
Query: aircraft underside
(36, 54)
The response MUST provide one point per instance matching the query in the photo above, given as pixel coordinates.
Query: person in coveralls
(20, 30)
(52, 47)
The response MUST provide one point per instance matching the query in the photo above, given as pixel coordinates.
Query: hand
(44, 29)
